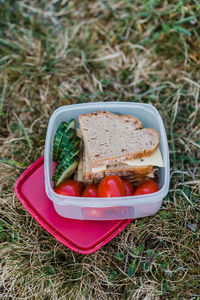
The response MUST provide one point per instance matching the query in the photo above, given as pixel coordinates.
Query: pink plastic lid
(81, 236)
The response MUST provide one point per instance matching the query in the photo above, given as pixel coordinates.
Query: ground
(55, 53)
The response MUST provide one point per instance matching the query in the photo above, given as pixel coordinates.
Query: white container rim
(104, 202)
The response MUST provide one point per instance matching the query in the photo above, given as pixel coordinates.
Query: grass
(55, 53)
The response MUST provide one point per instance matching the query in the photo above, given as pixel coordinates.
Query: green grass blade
(151, 91)
(11, 162)
(25, 132)
(185, 20)
(9, 44)
(2, 99)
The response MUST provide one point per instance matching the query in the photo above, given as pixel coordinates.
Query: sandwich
(117, 145)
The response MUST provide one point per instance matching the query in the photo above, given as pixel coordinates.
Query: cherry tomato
(146, 187)
(94, 212)
(128, 188)
(90, 191)
(111, 186)
(69, 188)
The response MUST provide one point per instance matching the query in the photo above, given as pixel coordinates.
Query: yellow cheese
(154, 159)
(78, 132)
(98, 169)
(151, 175)
(80, 171)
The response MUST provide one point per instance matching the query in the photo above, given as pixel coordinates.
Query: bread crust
(111, 114)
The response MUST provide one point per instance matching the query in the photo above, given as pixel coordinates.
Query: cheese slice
(151, 175)
(78, 132)
(80, 170)
(154, 159)
(80, 165)
(99, 169)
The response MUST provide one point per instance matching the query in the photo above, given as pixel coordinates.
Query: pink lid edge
(47, 226)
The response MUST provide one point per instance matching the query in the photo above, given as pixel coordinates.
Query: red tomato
(94, 212)
(128, 188)
(111, 186)
(90, 191)
(69, 188)
(146, 187)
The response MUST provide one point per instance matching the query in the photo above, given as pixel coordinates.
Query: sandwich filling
(155, 159)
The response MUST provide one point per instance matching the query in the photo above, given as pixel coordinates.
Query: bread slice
(111, 139)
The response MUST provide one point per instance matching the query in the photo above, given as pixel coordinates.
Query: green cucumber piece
(67, 171)
(64, 129)
(65, 161)
(65, 140)
(73, 152)
(71, 125)
(58, 138)
(72, 144)
(69, 156)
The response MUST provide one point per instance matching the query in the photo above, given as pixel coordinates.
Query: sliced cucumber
(74, 152)
(65, 161)
(70, 155)
(65, 151)
(64, 130)
(58, 138)
(65, 140)
(71, 124)
(72, 144)
(67, 171)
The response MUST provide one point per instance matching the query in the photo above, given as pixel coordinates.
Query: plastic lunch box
(116, 208)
